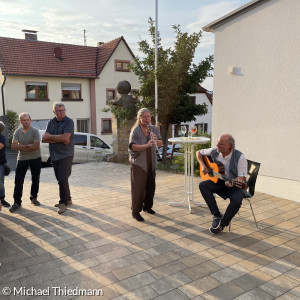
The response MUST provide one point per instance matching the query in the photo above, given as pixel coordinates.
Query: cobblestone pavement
(96, 246)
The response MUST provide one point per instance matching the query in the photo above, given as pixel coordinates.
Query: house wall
(109, 78)
(259, 104)
(15, 94)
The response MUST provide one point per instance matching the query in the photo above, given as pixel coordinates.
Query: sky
(64, 21)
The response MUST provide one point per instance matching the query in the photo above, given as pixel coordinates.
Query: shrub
(179, 160)
(13, 123)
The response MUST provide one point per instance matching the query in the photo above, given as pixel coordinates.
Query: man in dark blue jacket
(60, 136)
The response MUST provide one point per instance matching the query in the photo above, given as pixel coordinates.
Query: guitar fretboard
(220, 176)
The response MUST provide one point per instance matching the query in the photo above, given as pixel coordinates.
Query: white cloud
(11, 8)
(209, 13)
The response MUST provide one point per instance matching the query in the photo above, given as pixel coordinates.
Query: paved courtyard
(97, 246)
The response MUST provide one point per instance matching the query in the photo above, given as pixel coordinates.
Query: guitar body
(217, 167)
(216, 171)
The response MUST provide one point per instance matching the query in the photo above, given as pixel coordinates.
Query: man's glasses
(60, 110)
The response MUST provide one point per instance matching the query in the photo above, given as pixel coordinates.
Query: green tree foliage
(13, 123)
(176, 75)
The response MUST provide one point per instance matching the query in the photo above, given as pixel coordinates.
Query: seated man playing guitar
(223, 170)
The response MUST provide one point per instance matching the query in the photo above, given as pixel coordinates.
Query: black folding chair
(253, 168)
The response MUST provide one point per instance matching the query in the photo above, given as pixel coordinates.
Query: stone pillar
(120, 139)
(120, 131)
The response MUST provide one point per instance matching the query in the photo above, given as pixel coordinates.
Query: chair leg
(252, 212)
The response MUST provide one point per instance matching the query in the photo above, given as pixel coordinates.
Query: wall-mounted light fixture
(231, 70)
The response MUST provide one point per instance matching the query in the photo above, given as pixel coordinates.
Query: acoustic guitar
(216, 171)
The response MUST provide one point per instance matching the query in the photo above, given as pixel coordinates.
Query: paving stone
(255, 294)
(279, 285)
(134, 282)
(144, 293)
(172, 255)
(200, 286)
(226, 291)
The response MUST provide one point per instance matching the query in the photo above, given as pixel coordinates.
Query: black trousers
(236, 195)
(142, 188)
(21, 170)
(63, 169)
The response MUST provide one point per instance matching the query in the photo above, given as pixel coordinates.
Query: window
(202, 127)
(96, 142)
(193, 99)
(80, 140)
(106, 126)
(71, 91)
(110, 95)
(122, 65)
(82, 125)
(36, 91)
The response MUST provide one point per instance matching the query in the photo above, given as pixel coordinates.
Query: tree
(12, 119)
(176, 76)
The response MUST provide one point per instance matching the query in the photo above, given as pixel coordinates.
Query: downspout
(2, 92)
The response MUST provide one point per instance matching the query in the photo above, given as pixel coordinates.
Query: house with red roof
(34, 74)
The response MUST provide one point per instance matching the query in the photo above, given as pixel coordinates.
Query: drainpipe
(2, 92)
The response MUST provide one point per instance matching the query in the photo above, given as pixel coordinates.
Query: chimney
(30, 35)
(100, 43)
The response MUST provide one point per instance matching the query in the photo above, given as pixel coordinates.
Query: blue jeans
(236, 195)
(2, 188)
(21, 170)
(62, 169)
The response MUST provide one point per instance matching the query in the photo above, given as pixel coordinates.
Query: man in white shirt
(235, 165)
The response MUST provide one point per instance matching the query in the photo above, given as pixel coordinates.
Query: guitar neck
(220, 176)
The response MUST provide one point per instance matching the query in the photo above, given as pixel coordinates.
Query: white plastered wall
(109, 78)
(15, 94)
(260, 103)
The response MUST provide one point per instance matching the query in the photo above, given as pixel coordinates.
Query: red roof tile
(35, 58)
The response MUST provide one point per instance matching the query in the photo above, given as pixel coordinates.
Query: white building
(257, 89)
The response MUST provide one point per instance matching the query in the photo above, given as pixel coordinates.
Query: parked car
(177, 151)
(87, 147)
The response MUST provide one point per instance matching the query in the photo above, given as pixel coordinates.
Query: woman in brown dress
(142, 155)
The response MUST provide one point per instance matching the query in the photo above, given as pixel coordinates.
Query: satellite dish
(58, 52)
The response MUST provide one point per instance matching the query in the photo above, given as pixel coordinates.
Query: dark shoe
(62, 208)
(216, 221)
(68, 203)
(15, 207)
(5, 203)
(149, 210)
(35, 202)
(217, 230)
(138, 217)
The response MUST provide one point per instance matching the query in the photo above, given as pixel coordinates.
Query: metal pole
(156, 85)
